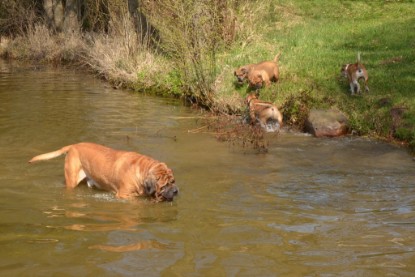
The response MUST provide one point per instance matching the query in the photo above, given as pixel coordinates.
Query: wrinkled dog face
(256, 80)
(161, 185)
(241, 74)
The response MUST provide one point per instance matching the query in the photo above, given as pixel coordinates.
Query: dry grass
(117, 57)
(122, 57)
(42, 45)
(117, 64)
(36, 44)
(234, 130)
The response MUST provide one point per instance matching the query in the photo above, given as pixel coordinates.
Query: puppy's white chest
(360, 73)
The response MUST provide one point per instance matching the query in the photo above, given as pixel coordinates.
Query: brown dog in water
(128, 174)
(262, 111)
(257, 74)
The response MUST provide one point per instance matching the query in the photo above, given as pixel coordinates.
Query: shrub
(191, 33)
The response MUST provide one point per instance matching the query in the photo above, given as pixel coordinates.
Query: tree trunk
(147, 34)
(71, 23)
(54, 14)
(140, 21)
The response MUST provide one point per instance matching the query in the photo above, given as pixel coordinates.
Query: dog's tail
(51, 155)
(278, 115)
(359, 67)
(277, 57)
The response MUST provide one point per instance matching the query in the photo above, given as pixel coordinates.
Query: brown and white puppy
(268, 69)
(263, 112)
(355, 72)
(128, 174)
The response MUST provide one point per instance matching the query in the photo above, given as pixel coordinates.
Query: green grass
(316, 38)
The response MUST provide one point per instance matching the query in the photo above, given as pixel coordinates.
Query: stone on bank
(326, 123)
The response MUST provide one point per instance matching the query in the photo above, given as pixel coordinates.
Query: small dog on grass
(259, 73)
(355, 72)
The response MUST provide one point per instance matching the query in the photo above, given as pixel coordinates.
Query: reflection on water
(335, 207)
(107, 222)
(131, 247)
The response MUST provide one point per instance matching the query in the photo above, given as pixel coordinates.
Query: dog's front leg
(123, 194)
(356, 83)
(366, 87)
(351, 87)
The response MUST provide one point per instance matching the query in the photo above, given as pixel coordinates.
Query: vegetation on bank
(190, 49)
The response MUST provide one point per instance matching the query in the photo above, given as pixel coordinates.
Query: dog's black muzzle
(240, 80)
(258, 86)
(169, 194)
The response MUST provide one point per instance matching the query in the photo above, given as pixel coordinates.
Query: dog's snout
(169, 194)
(172, 192)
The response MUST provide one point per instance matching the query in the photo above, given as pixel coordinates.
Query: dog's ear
(150, 186)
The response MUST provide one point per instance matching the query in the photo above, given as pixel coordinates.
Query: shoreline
(312, 54)
(296, 129)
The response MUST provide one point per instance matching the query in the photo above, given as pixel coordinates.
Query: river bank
(315, 39)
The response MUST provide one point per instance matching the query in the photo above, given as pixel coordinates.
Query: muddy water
(309, 207)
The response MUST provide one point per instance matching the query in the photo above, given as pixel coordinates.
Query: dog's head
(343, 70)
(250, 97)
(241, 73)
(256, 79)
(160, 183)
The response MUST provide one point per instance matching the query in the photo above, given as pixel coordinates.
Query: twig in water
(197, 130)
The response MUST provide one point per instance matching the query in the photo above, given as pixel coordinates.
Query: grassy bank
(315, 37)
